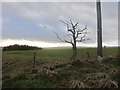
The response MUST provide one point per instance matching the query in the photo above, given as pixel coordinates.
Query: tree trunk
(74, 51)
(74, 47)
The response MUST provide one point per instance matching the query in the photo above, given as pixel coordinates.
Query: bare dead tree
(78, 35)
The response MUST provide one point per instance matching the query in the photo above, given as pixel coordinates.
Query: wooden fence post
(34, 57)
(105, 51)
(34, 61)
(88, 55)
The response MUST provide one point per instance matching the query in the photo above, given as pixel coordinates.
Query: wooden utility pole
(99, 28)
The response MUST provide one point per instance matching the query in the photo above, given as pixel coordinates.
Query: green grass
(21, 81)
(16, 62)
(60, 53)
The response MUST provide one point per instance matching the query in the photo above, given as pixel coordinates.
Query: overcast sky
(33, 23)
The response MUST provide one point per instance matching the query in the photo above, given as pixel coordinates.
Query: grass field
(16, 63)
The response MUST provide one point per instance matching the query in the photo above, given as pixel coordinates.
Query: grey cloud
(46, 17)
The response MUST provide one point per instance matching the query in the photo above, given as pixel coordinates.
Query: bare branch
(82, 38)
(64, 22)
(75, 26)
(71, 31)
(81, 32)
(68, 35)
(72, 23)
(68, 22)
(82, 29)
(69, 41)
(68, 29)
(72, 27)
(63, 40)
(58, 37)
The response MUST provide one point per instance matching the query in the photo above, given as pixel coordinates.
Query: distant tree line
(20, 47)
